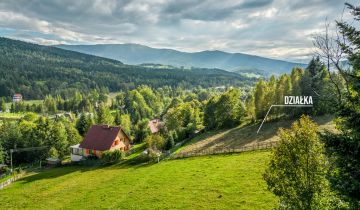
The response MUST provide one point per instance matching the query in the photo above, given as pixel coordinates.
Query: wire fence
(226, 150)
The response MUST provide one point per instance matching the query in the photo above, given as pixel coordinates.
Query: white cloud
(268, 13)
(271, 28)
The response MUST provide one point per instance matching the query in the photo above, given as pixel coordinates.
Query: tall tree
(84, 123)
(345, 147)
(58, 139)
(259, 99)
(125, 123)
(104, 116)
(297, 169)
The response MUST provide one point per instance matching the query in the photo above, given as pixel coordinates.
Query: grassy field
(10, 116)
(211, 182)
(246, 135)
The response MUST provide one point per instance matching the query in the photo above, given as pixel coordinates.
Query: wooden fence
(225, 150)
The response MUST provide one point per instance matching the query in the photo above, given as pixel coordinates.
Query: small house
(17, 97)
(98, 139)
(155, 125)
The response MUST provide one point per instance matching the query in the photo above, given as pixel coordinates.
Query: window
(76, 151)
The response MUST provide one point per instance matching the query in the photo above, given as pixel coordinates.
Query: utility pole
(11, 162)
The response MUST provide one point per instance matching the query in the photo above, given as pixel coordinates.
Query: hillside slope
(137, 54)
(213, 182)
(246, 135)
(36, 71)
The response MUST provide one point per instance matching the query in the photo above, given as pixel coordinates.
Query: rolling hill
(138, 54)
(36, 70)
(245, 135)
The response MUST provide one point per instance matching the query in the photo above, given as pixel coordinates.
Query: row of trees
(314, 81)
(35, 131)
(77, 102)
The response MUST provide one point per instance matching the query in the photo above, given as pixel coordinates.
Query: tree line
(36, 71)
(314, 81)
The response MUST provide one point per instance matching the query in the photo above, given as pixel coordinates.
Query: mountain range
(138, 54)
(37, 70)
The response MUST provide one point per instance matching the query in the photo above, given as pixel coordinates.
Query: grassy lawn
(210, 182)
(246, 135)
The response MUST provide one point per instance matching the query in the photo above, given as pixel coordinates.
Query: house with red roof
(98, 139)
(155, 125)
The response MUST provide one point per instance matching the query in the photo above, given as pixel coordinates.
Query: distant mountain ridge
(36, 71)
(137, 54)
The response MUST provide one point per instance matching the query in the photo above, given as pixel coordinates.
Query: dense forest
(36, 71)
(184, 112)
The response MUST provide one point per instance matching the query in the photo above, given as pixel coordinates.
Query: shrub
(115, 156)
(153, 155)
(155, 141)
(169, 143)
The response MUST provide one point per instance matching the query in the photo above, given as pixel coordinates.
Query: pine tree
(117, 119)
(84, 123)
(259, 99)
(344, 147)
(104, 116)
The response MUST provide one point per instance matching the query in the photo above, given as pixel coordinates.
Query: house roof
(100, 137)
(155, 125)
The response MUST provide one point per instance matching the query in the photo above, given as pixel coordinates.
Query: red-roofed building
(98, 139)
(155, 125)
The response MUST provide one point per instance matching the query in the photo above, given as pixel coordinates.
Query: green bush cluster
(110, 157)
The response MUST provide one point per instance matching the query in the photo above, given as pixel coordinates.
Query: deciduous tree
(297, 168)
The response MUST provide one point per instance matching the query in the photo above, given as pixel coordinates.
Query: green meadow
(208, 182)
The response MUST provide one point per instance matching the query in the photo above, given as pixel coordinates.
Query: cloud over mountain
(272, 28)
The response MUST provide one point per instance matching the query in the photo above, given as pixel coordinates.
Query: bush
(115, 156)
(155, 141)
(169, 143)
(153, 155)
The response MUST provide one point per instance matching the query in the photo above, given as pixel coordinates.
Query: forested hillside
(35, 71)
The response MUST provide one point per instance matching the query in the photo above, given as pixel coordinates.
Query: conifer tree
(104, 116)
(344, 147)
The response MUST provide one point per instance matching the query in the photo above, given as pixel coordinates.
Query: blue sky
(272, 28)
